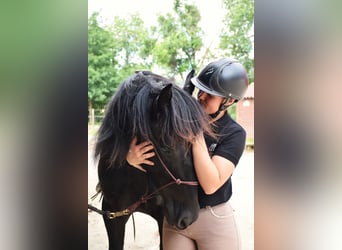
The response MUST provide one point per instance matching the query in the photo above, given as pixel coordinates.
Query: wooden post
(92, 117)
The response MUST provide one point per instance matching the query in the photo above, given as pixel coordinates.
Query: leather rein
(146, 196)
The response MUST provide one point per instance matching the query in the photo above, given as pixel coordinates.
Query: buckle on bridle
(113, 215)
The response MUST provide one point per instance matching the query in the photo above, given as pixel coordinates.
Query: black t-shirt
(230, 144)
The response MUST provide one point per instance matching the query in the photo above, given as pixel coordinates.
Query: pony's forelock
(130, 114)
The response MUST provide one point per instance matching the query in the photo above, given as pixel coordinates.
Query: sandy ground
(147, 236)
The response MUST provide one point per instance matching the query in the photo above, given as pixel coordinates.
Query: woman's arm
(213, 172)
(139, 154)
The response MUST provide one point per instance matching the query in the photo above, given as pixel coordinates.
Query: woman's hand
(139, 154)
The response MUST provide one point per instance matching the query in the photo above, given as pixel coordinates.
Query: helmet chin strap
(214, 115)
(221, 108)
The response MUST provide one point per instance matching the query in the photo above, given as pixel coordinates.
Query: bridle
(146, 196)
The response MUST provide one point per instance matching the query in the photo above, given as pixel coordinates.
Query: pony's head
(153, 108)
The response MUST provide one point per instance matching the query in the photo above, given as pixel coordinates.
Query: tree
(238, 35)
(178, 39)
(132, 44)
(114, 52)
(101, 61)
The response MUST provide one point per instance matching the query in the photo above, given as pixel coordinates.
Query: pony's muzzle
(186, 219)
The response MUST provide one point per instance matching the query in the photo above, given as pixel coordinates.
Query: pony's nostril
(183, 223)
(186, 218)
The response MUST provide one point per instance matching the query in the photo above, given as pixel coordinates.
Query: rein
(145, 197)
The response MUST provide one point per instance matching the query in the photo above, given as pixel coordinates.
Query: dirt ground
(147, 236)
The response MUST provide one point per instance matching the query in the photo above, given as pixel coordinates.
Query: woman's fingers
(140, 153)
(140, 168)
(146, 157)
(147, 148)
(150, 163)
(145, 145)
(134, 142)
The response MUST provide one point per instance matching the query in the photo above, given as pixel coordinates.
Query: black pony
(151, 108)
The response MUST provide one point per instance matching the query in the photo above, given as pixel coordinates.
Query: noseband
(146, 196)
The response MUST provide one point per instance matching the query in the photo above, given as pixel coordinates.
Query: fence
(95, 116)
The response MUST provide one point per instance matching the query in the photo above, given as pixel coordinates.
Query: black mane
(135, 110)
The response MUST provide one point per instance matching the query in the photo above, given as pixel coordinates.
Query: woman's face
(210, 103)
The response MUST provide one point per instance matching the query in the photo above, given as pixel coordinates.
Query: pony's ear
(163, 99)
(165, 95)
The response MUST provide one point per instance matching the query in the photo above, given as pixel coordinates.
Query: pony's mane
(130, 113)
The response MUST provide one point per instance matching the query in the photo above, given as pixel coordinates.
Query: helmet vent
(210, 71)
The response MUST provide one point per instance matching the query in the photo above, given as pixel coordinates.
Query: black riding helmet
(225, 77)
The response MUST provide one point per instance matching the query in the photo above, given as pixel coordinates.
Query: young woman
(221, 83)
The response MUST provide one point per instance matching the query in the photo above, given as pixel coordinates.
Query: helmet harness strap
(221, 108)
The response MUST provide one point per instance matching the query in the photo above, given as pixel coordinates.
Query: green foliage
(238, 34)
(232, 111)
(178, 39)
(101, 74)
(114, 53)
(132, 42)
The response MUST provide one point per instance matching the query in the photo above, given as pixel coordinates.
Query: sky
(212, 13)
